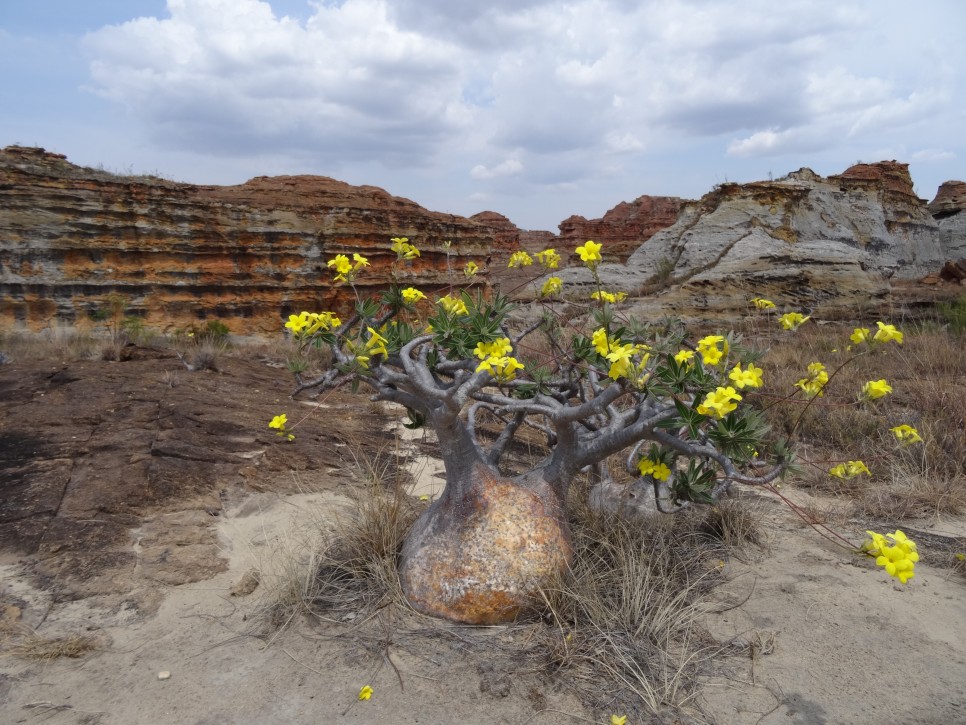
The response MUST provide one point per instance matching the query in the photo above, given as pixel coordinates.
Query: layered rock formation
(507, 237)
(249, 255)
(949, 210)
(623, 229)
(246, 255)
(806, 240)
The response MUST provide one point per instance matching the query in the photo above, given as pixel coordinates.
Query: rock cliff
(623, 229)
(949, 210)
(246, 255)
(808, 241)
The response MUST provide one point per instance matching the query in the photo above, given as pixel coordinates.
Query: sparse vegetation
(954, 314)
(31, 645)
(922, 480)
(617, 627)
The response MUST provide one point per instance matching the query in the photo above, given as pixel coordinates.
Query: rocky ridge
(246, 255)
(808, 241)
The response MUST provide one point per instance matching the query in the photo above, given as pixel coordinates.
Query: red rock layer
(950, 199)
(624, 228)
(246, 255)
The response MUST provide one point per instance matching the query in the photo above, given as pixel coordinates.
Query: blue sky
(537, 109)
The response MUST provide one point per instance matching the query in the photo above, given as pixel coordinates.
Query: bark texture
(482, 556)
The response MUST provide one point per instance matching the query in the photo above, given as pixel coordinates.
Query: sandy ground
(818, 637)
(97, 539)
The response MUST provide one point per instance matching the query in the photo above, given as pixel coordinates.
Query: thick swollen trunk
(482, 551)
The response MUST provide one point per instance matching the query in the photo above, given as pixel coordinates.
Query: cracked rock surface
(112, 472)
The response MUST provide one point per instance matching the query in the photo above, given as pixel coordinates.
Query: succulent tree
(608, 387)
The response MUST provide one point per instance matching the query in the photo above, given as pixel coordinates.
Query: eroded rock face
(807, 240)
(246, 255)
(949, 210)
(623, 229)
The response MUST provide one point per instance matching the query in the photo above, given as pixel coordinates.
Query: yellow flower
(906, 434)
(620, 356)
(600, 341)
(851, 469)
(403, 249)
(898, 557)
(342, 267)
(719, 403)
(501, 347)
(501, 368)
(859, 335)
(278, 422)
(711, 354)
(875, 389)
(618, 720)
(520, 259)
(549, 258)
(365, 693)
(792, 320)
(887, 333)
(590, 253)
(684, 356)
(297, 322)
(610, 297)
(749, 378)
(815, 381)
(321, 321)
(471, 269)
(453, 305)
(359, 261)
(763, 304)
(411, 295)
(551, 287)
(376, 344)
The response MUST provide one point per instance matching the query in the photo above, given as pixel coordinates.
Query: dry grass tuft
(348, 565)
(927, 374)
(357, 570)
(61, 344)
(620, 625)
(30, 645)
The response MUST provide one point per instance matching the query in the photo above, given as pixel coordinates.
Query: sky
(537, 109)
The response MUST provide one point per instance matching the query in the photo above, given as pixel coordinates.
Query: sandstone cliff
(246, 255)
(623, 229)
(949, 210)
(805, 240)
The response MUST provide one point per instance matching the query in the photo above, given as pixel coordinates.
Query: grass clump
(32, 646)
(620, 626)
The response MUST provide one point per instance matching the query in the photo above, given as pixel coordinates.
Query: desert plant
(482, 551)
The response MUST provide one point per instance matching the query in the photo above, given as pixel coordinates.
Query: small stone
(164, 675)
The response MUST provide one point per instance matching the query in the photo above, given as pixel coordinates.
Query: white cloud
(530, 95)
(510, 167)
(227, 76)
(933, 155)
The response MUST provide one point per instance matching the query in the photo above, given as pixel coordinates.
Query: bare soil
(138, 499)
